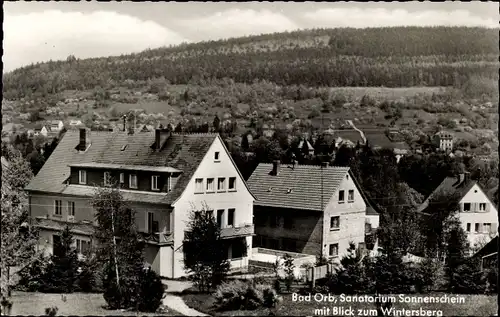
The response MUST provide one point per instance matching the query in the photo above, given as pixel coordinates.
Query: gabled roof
(309, 146)
(351, 135)
(490, 248)
(297, 188)
(380, 139)
(451, 185)
(182, 152)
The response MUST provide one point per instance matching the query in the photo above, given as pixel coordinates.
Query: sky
(42, 31)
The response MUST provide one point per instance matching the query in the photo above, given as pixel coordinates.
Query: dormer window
(107, 179)
(132, 180)
(82, 177)
(154, 182)
(217, 156)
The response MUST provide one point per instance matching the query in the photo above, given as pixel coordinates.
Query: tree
(205, 253)
(62, 272)
(350, 277)
(216, 124)
(18, 237)
(119, 248)
(244, 142)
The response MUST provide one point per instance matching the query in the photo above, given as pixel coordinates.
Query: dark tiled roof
(490, 248)
(450, 185)
(183, 152)
(298, 188)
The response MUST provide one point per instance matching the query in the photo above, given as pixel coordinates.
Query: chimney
(82, 145)
(276, 168)
(124, 122)
(324, 164)
(157, 138)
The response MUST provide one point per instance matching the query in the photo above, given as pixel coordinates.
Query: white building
(163, 176)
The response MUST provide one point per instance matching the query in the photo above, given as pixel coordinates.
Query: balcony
(159, 238)
(240, 230)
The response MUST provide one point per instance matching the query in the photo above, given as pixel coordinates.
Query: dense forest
(390, 57)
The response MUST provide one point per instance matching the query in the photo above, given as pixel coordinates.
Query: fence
(312, 274)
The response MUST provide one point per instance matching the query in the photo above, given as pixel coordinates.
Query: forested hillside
(390, 57)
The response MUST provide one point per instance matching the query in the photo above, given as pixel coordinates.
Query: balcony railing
(157, 237)
(240, 230)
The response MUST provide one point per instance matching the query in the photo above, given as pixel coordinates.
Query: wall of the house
(352, 219)
(475, 196)
(306, 229)
(373, 220)
(152, 257)
(42, 205)
(240, 199)
(46, 240)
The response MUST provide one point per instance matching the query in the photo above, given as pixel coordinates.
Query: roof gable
(297, 188)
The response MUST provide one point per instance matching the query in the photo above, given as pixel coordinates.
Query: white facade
(351, 213)
(240, 199)
(478, 216)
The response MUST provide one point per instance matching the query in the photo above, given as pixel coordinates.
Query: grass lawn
(76, 304)
(475, 305)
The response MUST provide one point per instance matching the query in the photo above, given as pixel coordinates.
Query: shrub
(151, 291)
(90, 276)
(31, 276)
(51, 311)
(239, 295)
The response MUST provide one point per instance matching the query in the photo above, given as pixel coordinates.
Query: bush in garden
(90, 276)
(236, 295)
(31, 276)
(151, 291)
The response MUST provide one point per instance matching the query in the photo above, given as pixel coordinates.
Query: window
(132, 181)
(82, 246)
(482, 207)
(199, 185)
(350, 195)
(82, 179)
(221, 183)
(150, 219)
(232, 183)
(487, 227)
(220, 215)
(122, 178)
(477, 227)
(217, 156)
(230, 217)
(335, 223)
(154, 182)
(71, 208)
(58, 207)
(107, 179)
(466, 206)
(334, 249)
(468, 227)
(288, 222)
(210, 185)
(341, 197)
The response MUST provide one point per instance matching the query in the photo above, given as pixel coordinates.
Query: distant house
(349, 138)
(477, 213)
(443, 141)
(296, 212)
(309, 146)
(56, 125)
(145, 128)
(41, 130)
(75, 123)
